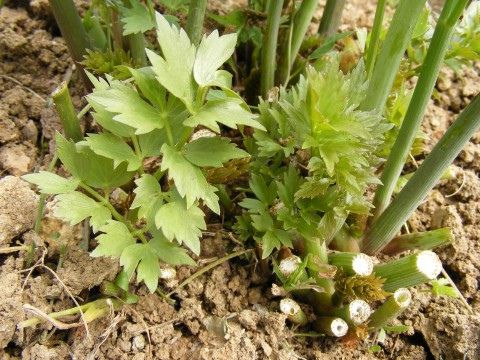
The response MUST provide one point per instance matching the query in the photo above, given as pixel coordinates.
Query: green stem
(427, 240)
(196, 17)
(41, 202)
(331, 18)
(331, 325)
(352, 263)
(409, 270)
(68, 116)
(423, 91)
(393, 49)
(375, 36)
(299, 27)
(355, 313)
(71, 27)
(390, 309)
(293, 311)
(424, 179)
(269, 53)
(138, 152)
(136, 45)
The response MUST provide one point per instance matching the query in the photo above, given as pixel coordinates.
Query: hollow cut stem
(410, 270)
(68, 116)
(331, 325)
(390, 309)
(356, 313)
(352, 263)
(293, 311)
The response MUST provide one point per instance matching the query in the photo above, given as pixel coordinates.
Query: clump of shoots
(352, 263)
(391, 309)
(332, 326)
(410, 270)
(293, 311)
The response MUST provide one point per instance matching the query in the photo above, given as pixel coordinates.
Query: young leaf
(113, 241)
(130, 108)
(184, 225)
(50, 183)
(212, 52)
(90, 168)
(169, 252)
(174, 70)
(274, 239)
(147, 194)
(114, 148)
(75, 207)
(441, 287)
(136, 19)
(141, 255)
(227, 111)
(189, 180)
(212, 151)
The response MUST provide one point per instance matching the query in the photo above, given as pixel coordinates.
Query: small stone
(138, 343)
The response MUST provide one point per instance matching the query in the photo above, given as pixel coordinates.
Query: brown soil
(221, 315)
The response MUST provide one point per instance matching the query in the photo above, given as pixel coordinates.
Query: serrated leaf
(143, 256)
(189, 179)
(170, 253)
(50, 183)
(130, 108)
(228, 112)
(174, 69)
(114, 148)
(92, 169)
(266, 193)
(105, 119)
(274, 239)
(147, 194)
(212, 151)
(75, 207)
(136, 19)
(184, 225)
(115, 238)
(212, 52)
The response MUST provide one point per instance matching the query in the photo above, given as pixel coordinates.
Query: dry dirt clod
(18, 207)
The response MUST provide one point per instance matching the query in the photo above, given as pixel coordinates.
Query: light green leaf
(170, 253)
(50, 183)
(184, 225)
(75, 207)
(141, 255)
(227, 111)
(212, 151)
(274, 239)
(189, 179)
(130, 108)
(150, 87)
(115, 238)
(147, 194)
(212, 52)
(174, 69)
(92, 169)
(114, 148)
(136, 19)
(105, 119)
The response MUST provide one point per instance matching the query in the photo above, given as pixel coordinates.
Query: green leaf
(274, 239)
(228, 112)
(144, 257)
(442, 287)
(147, 195)
(136, 19)
(150, 87)
(75, 207)
(212, 52)
(212, 151)
(50, 183)
(170, 253)
(184, 225)
(266, 193)
(114, 148)
(92, 169)
(174, 69)
(105, 119)
(130, 108)
(115, 238)
(189, 179)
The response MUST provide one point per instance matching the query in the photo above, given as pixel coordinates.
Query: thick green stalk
(299, 25)
(389, 223)
(390, 309)
(269, 53)
(71, 27)
(423, 91)
(355, 313)
(393, 49)
(427, 240)
(68, 116)
(330, 325)
(375, 36)
(409, 270)
(352, 263)
(293, 311)
(196, 16)
(136, 45)
(331, 18)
